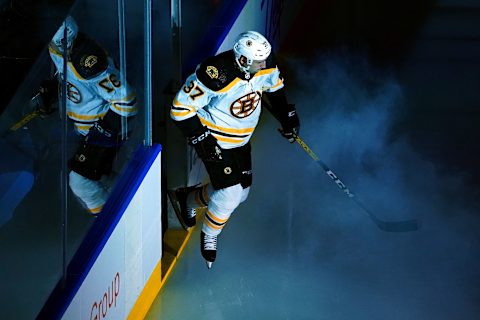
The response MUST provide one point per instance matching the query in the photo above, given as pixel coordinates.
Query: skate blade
(209, 264)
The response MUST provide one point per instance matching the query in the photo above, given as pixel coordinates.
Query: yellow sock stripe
(213, 221)
(211, 225)
(96, 210)
(216, 219)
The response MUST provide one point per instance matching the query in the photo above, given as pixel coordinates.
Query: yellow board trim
(154, 284)
(148, 294)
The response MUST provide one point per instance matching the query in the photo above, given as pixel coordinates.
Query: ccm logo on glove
(200, 137)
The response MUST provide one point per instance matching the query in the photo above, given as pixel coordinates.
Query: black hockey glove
(206, 145)
(100, 136)
(47, 97)
(290, 124)
(96, 152)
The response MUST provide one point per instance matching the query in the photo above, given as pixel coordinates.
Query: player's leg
(222, 204)
(190, 199)
(91, 194)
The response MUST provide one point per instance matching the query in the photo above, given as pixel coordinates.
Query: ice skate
(209, 248)
(187, 215)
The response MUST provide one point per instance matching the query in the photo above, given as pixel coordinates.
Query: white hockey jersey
(93, 85)
(224, 100)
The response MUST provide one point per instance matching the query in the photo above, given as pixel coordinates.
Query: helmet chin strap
(244, 69)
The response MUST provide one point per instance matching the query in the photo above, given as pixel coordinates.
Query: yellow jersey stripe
(84, 116)
(124, 109)
(226, 130)
(230, 85)
(129, 98)
(83, 127)
(229, 140)
(55, 52)
(279, 83)
(75, 71)
(178, 104)
(265, 72)
(69, 63)
(180, 113)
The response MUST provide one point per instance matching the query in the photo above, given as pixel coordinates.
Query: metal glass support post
(64, 168)
(148, 72)
(176, 26)
(122, 56)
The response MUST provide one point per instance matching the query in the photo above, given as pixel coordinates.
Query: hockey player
(96, 102)
(217, 109)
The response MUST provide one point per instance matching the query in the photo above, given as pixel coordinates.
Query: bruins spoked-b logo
(73, 94)
(244, 106)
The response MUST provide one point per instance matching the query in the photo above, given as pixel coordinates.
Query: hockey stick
(390, 226)
(36, 103)
(24, 120)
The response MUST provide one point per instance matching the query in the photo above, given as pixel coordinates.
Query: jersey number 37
(193, 90)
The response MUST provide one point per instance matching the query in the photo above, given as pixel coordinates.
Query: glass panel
(199, 20)
(45, 209)
(30, 167)
(117, 90)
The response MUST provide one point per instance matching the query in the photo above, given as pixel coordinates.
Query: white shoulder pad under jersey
(94, 86)
(224, 100)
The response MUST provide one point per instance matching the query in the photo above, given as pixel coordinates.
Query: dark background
(431, 47)
(388, 96)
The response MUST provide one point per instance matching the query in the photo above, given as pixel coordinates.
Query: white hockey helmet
(253, 46)
(72, 31)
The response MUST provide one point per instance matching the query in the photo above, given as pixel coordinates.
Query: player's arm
(98, 71)
(284, 112)
(117, 92)
(192, 97)
(96, 151)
